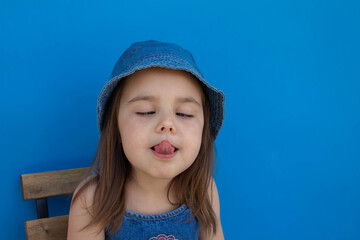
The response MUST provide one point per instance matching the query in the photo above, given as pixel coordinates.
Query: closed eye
(145, 113)
(184, 115)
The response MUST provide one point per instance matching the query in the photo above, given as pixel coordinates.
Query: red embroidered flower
(163, 237)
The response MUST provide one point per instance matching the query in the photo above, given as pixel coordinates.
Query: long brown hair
(190, 187)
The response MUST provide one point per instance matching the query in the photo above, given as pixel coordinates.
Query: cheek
(132, 138)
(133, 148)
(129, 126)
(193, 140)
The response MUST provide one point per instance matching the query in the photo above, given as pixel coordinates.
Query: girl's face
(161, 121)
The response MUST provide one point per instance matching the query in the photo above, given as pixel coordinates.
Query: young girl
(151, 178)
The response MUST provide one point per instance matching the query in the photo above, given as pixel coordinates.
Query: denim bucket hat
(141, 55)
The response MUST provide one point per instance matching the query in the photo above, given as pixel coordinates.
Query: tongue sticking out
(164, 148)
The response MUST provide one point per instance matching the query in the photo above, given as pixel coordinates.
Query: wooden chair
(40, 186)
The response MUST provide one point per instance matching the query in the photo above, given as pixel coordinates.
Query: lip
(164, 156)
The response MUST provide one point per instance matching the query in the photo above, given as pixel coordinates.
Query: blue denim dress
(167, 226)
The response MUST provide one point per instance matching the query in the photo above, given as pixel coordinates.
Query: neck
(150, 186)
(148, 195)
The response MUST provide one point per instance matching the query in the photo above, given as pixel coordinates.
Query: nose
(166, 124)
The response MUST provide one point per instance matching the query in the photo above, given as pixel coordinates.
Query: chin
(166, 174)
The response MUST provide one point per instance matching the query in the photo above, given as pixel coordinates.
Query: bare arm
(216, 207)
(80, 216)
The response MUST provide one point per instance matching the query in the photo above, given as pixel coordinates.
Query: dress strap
(95, 172)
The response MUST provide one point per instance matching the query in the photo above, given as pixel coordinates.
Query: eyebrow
(153, 98)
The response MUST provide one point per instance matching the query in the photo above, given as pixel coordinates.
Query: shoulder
(215, 203)
(81, 213)
(213, 192)
(84, 192)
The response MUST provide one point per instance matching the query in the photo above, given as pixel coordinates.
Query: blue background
(289, 150)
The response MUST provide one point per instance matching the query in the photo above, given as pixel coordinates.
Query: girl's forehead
(162, 81)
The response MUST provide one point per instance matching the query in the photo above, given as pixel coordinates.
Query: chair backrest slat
(49, 184)
(54, 228)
